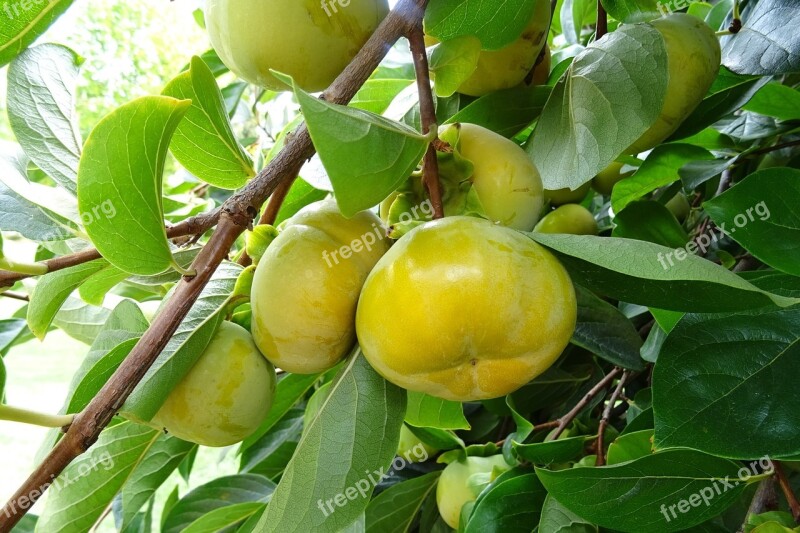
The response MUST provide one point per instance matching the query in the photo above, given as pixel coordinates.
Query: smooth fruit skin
(608, 177)
(541, 72)
(225, 396)
(305, 290)
(567, 196)
(465, 310)
(573, 219)
(509, 66)
(693, 57)
(507, 182)
(412, 449)
(453, 489)
(311, 41)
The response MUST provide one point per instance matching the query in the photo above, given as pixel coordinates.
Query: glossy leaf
(505, 112)
(204, 142)
(495, 25)
(631, 11)
(427, 411)
(41, 94)
(224, 517)
(552, 451)
(23, 22)
(119, 183)
(558, 519)
(652, 222)
(510, 505)
(724, 373)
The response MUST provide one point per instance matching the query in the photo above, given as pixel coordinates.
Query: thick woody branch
(237, 214)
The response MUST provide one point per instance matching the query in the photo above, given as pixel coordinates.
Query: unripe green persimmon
(412, 448)
(608, 177)
(311, 41)
(507, 183)
(566, 196)
(679, 206)
(693, 59)
(509, 66)
(454, 489)
(573, 219)
(306, 286)
(225, 396)
(477, 310)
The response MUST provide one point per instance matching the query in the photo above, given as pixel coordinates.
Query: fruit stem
(29, 269)
(602, 21)
(430, 168)
(24, 416)
(15, 296)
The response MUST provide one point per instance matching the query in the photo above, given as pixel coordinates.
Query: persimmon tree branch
(601, 430)
(788, 492)
(427, 111)
(602, 21)
(567, 419)
(196, 225)
(236, 215)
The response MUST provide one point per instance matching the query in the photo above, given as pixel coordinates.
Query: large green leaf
(23, 22)
(510, 505)
(650, 221)
(552, 451)
(604, 330)
(52, 291)
(119, 183)
(648, 274)
(505, 112)
(41, 87)
(776, 100)
(358, 424)
(612, 93)
(270, 454)
(763, 47)
(726, 375)
(650, 494)
(185, 346)
(395, 509)
(366, 156)
(224, 517)
(631, 11)
(82, 492)
(204, 142)
(761, 214)
(428, 411)
(495, 24)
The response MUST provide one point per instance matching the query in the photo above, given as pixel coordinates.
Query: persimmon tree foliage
(522, 266)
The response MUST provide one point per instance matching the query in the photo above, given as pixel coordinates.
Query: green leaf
(376, 95)
(359, 424)
(204, 142)
(763, 47)
(366, 156)
(426, 411)
(224, 517)
(185, 346)
(605, 331)
(505, 112)
(630, 446)
(652, 222)
(10, 331)
(647, 494)
(94, 289)
(757, 213)
(659, 169)
(553, 451)
(612, 93)
(453, 62)
(82, 492)
(154, 468)
(631, 11)
(558, 519)
(290, 390)
(775, 100)
(730, 373)
(510, 505)
(395, 509)
(52, 291)
(300, 195)
(648, 274)
(220, 493)
(81, 321)
(270, 454)
(23, 22)
(119, 183)
(41, 93)
(495, 24)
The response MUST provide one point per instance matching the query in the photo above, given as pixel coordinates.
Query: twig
(270, 214)
(791, 497)
(567, 419)
(196, 225)
(602, 21)
(774, 148)
(237, 214)
(765, 499)
(601, 454)
(16, 296)
(427, 110)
